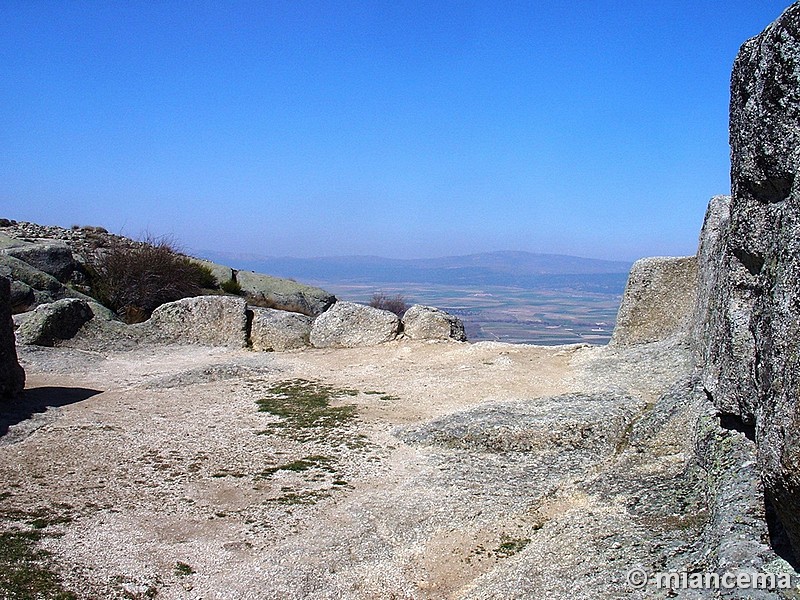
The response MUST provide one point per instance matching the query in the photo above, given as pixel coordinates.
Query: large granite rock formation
(51, 323)
(283, 294)
(278, 330)
(350, 325)
(32, 286)
(659, 300)
(751, 265)
(220, 273)
(12, 377)
(429, 323)
(204, 320)
(53, 257)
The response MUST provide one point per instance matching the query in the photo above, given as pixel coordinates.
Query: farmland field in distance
(507, 314)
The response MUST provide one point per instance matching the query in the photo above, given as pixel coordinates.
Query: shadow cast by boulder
(37, 400)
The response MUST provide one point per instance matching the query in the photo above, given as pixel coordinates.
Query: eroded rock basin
(407, 470)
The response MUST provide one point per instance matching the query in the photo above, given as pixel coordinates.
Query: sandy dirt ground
(162, 478)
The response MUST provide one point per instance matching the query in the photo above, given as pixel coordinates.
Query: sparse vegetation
(134, 280)
(25, 569)
(396, 304)
(510, 546)
(306, 416)
(231, 287)
(183, 570)
(300, 465)
(305, 410)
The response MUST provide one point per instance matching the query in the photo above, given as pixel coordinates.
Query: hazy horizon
(401, 130)
(201, 253)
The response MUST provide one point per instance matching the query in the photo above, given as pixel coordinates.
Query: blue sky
(401, 129)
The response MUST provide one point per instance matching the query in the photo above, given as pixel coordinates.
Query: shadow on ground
(38, 400)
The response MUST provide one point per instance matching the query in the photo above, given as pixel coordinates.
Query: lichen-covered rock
(283, 294)
(32, 287)
(12, 376)
(429, 323)
(659, 301)
(204, 320)
(51, 323)
(279, 330)
(351, 325)
(221, 273)
(710, 265)
(53, 257)
(751, 359)
(18, 270)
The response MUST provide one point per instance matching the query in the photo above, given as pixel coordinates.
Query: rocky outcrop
(751, 266)
(350, 325)
(283, 294)
(31, 286)
(12, 376)
(429, 323)
(278, 330)
(52, 257)
(51, 323)
(208, 320)
(18, 270)
(659, 301)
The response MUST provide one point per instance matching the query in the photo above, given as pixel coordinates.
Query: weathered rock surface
(574, 427)
(429, 323)
(710, 265)
(211, 320)
(53, 257)
(51, 323)
(351, 325)
(659, 301)
(18, 270)
(12, 376)
(31, 287)
(283, 294)
(279, 330)
(22, 297)
(752, 358)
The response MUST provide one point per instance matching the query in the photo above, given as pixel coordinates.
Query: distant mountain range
(518, 269)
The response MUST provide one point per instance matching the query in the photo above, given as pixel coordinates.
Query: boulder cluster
(45, 287)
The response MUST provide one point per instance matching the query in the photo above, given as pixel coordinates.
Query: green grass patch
(25, 569)
(183, 570)
(312, 412)
(305, 410)
(510, 546)
(303, 497)
(300, 465)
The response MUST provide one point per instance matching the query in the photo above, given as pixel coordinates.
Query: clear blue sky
(402, 129)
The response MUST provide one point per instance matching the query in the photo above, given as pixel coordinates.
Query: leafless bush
(134, 280)
(396, 304)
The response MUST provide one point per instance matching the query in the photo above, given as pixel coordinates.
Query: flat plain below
(567, 315)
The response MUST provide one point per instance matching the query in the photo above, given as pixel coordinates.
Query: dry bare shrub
(396, 304)
(135, 279)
